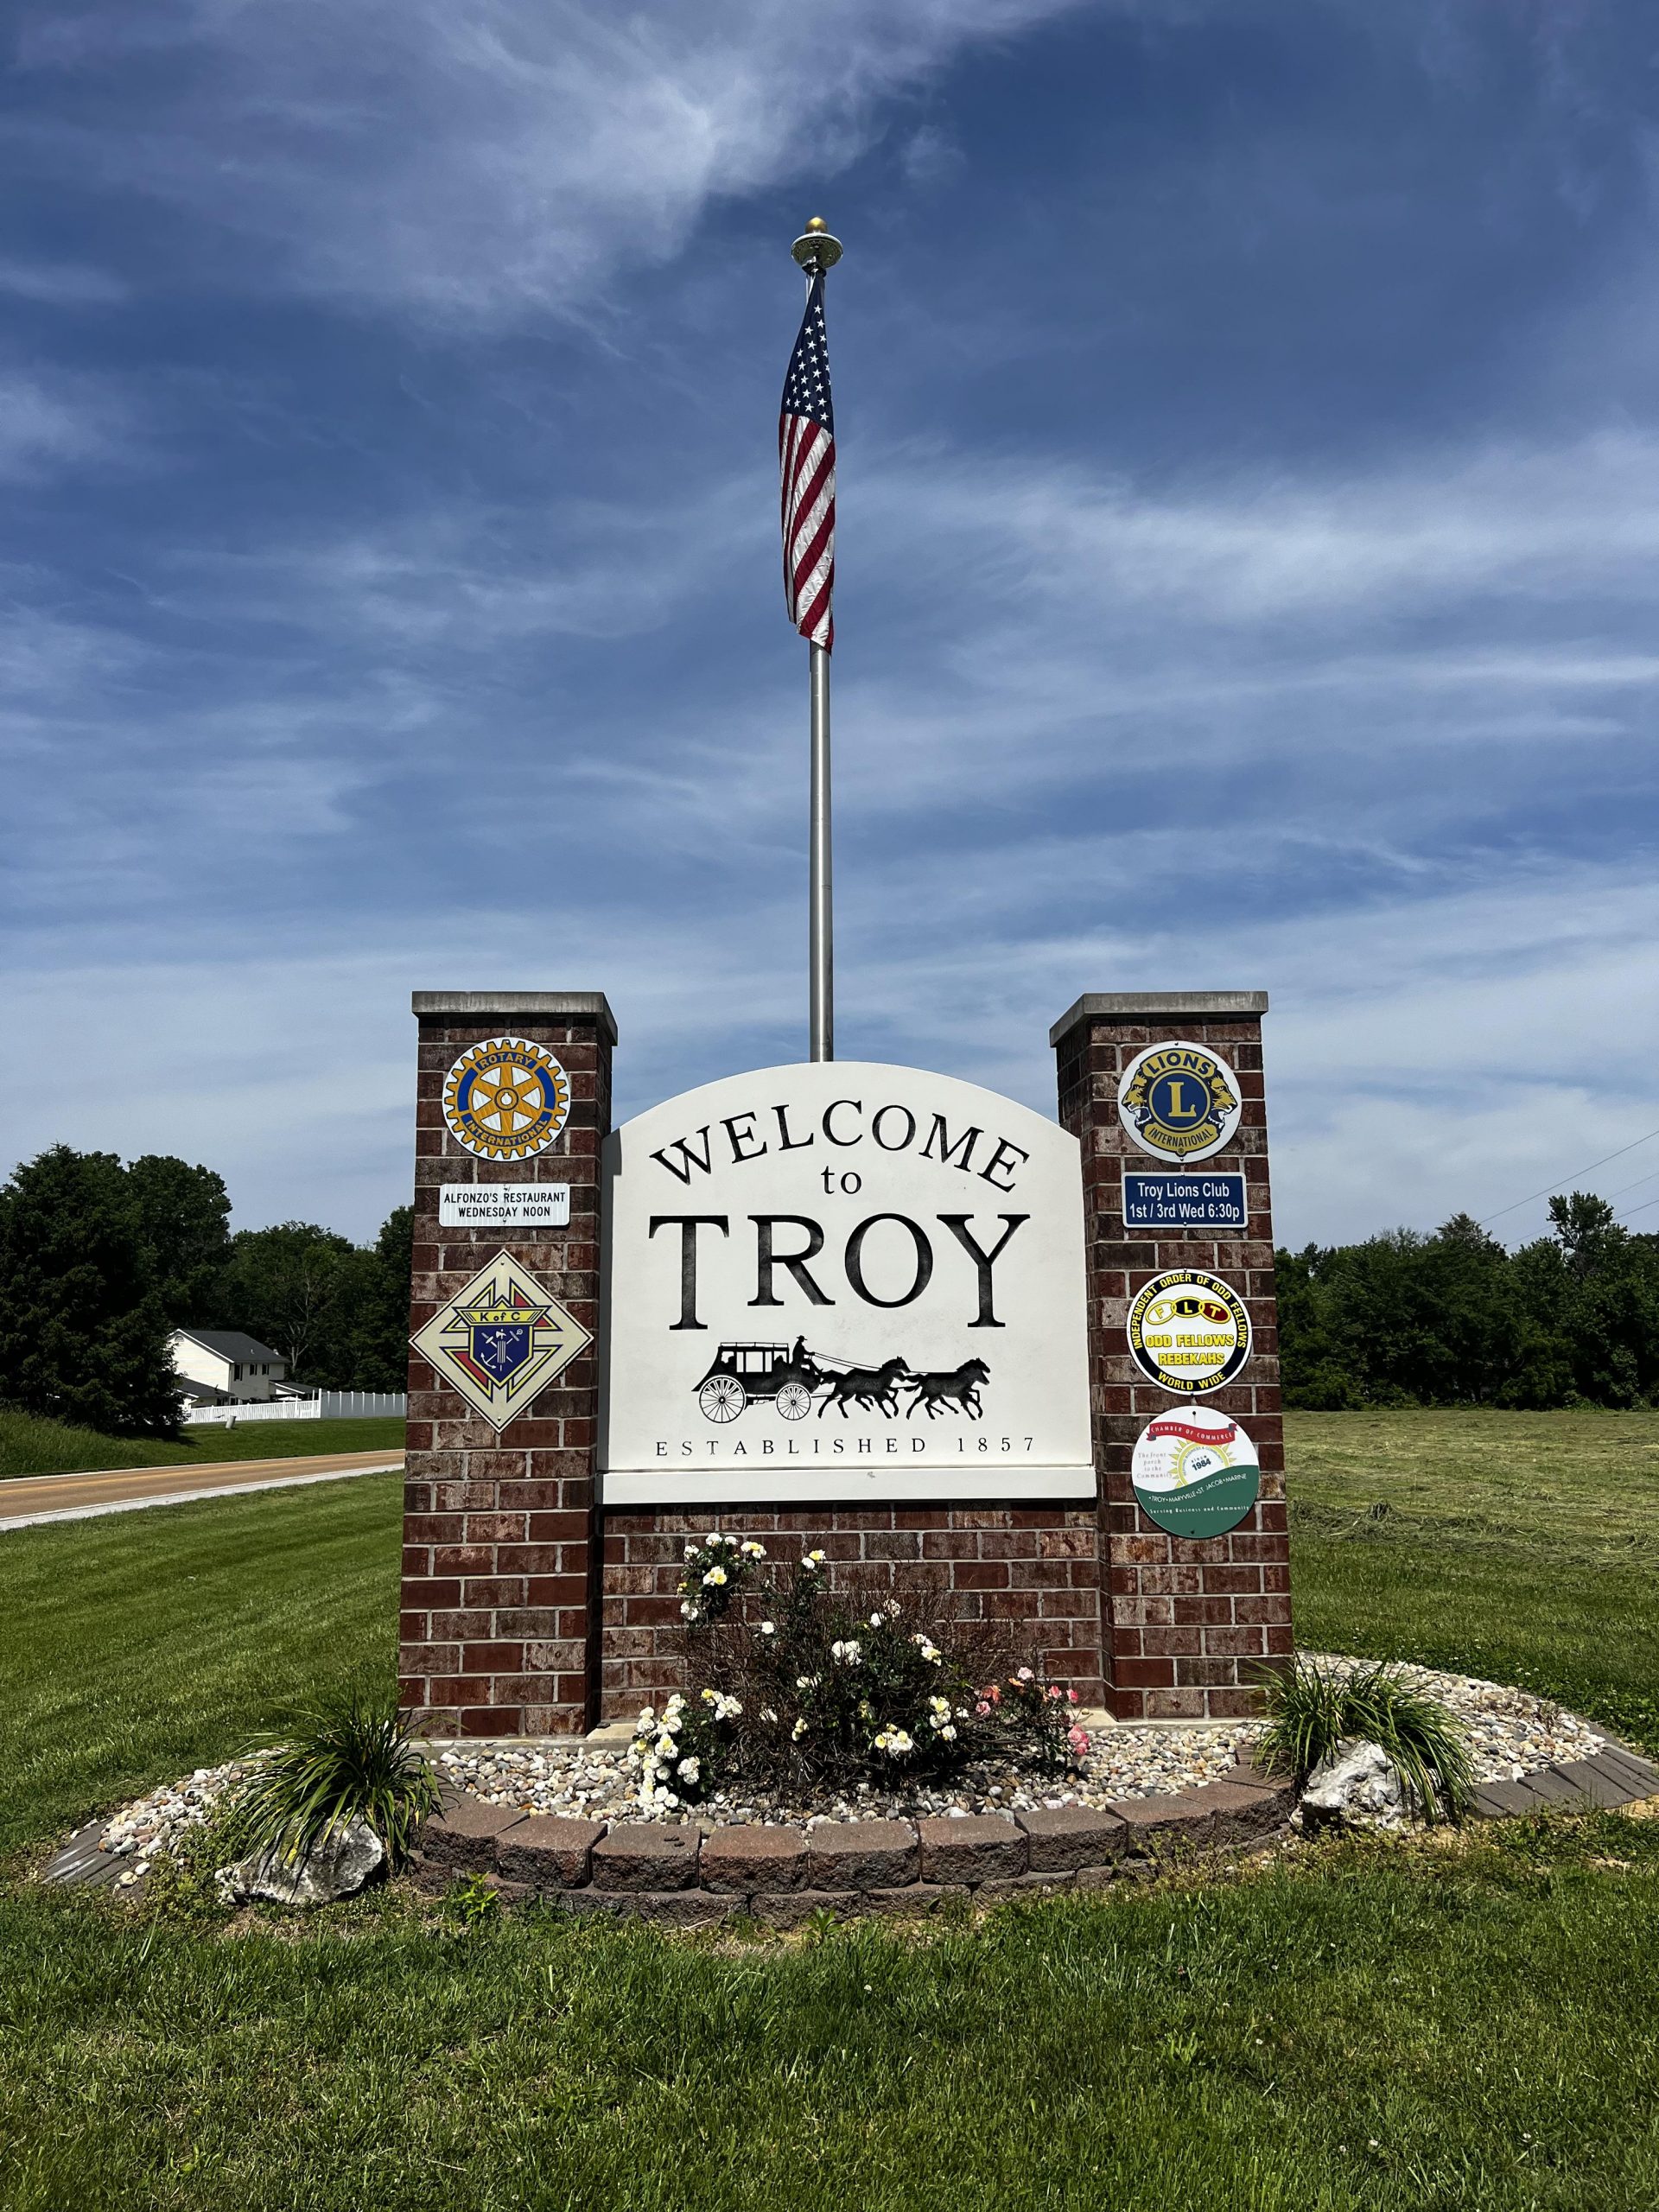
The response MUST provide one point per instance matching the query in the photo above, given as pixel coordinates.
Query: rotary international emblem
(1178, 1101)
(505, 1099)
(500, 1340)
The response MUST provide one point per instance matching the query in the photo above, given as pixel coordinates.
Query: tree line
(1455, 1319)
(101, 1261)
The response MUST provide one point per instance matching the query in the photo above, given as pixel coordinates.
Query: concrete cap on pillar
(1159, 1005)
(536, 1006)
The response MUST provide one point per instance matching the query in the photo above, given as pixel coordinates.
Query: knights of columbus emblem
(500, 1340)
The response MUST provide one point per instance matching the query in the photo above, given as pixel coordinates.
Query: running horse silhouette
(959, 1385)
(866, 1386)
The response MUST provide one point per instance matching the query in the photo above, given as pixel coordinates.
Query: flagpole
(821, 945)
(816, 251)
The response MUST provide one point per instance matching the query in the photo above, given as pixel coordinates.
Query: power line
(1643, 1208)
(1574, 1177)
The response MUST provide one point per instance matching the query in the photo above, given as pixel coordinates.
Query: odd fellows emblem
(505, 1099)
(1195, 1472)
(1189, 1331)
(1178, 1101)
(499, 1340)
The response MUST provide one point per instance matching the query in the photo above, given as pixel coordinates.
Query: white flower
(807, 1681)
(715, 1578)
(667, 1797)
(768, 1628)
(691, 1551)
(848, 1653)
(647, 1716)
(894, 1742)
(676, 1703)
(687, 1610)
(878, 1620)
(751, 1550)
(813, 1561)
(941, 1706)
(766, 1713)
(689, 1770)
(713, 1536)
(665, 1744)
(948, 1733)
(797, 1731)
(708, 1696)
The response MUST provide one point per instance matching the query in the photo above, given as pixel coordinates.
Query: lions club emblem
(500, 1340)
(505, 1099)
(1178, 1101)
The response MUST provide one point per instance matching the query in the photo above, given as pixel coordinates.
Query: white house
(222, 1365)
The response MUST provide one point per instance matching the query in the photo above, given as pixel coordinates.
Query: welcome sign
(842, 1280)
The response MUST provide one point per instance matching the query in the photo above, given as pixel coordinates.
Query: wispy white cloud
(480, 161)
(50, 423)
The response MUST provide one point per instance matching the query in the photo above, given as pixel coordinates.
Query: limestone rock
(338, 1867)
(1358, 1785)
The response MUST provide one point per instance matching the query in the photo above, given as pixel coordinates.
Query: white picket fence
(326, 1405)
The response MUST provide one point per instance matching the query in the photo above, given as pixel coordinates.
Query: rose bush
(801, 1687)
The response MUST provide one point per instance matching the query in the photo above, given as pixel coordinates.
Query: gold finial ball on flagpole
(815, 249)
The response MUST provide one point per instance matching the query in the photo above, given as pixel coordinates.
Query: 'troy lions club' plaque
(499, 1340)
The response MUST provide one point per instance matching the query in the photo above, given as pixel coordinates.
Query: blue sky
(1250, 541)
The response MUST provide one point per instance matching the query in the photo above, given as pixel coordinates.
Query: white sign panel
(504, 1205)
(844, 1281)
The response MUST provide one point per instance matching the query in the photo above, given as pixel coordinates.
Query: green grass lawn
(140, 1645)
(1519, 1546)
(30, 1446)
(1467, 2024)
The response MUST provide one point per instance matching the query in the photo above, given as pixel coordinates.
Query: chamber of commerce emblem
(1189, 1331)
(1195, 1472)
(505, 1099)
(500, 1340)
(1178, 1101)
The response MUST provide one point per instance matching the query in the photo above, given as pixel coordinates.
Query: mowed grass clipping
(30, 1446)
(1369, 2029)
(1520, 1547)
(140, 1645)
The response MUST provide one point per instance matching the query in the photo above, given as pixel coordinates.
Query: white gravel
(1510, 1732)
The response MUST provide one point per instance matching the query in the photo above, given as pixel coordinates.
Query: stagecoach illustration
(743, 1373)
(789, 1376)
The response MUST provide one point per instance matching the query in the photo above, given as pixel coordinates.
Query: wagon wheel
(794, 1400)
(723, 1398)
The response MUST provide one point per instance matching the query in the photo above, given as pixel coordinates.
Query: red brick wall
(1188, 1623)
(1034, 1566)
(500, 1550)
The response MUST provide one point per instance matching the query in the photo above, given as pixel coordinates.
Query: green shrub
(1313, 1708)
(801, 1686)
(352, 1758)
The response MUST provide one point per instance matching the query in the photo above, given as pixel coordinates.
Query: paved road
(26, 1502)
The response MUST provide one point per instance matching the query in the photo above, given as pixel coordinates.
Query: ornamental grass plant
(1313, 1708)
(798, 1687)
(352, 1757)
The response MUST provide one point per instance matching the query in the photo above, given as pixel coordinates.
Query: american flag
(806, 452)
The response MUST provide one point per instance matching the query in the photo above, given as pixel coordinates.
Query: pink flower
(1053, 1695)
(1078, 1739)
(1025, 1675)
(981, 1709)
(1070, 1697)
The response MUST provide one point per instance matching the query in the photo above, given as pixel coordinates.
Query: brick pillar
(500, 1625)
(1186, 1623)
